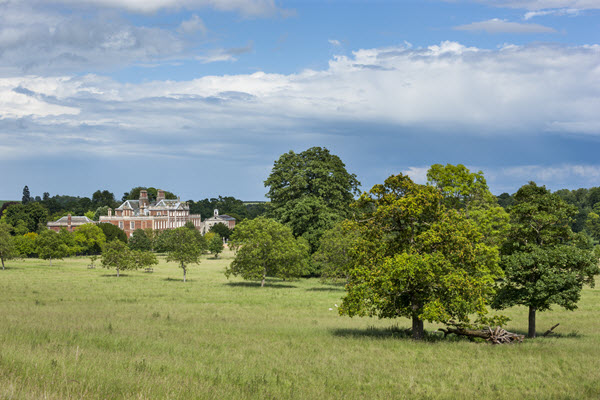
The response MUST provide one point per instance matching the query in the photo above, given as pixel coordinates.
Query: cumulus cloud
(496, 25)
(441, 89)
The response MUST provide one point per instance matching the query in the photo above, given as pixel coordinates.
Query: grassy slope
(71, 332)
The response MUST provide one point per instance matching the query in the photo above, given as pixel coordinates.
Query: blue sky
(200, 97)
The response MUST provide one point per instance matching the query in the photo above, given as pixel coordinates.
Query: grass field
(71, 332)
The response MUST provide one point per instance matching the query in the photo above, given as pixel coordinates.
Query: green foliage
(415, 258)
(25, 245)
(144, 259)
(112, 232)
(134, 194)
(310, 192)
(185, 246)
(26, 196)
(90, 238)
(33, 216)
(265, 248)
(7, 246)
(544, 262)
(100, 212)
(139, 240)
(221, 230)
(68, 238)
(102, 198)
(215, 245)
(116, 254)
(49, 246)
(334, 257)
(226, 205)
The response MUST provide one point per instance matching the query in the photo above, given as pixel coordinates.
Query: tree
(185, 247)
(467, 191)
(33, 215)
(134, 194)
(68, 238)
(144, 259)
(7, 246)
(215, 245)
(416, 258)
(25, 245)
(49, 246)
(26, 196)
(221, 230)
(112, 232)
(592, 222)
(310, 192)
(117, 255)
(334, 256)
(140, 241)
(100, 212)
(541, 262)
(102, 198)
(265, 248)
(90, 238)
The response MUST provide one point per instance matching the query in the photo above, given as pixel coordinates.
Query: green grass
(70, 332)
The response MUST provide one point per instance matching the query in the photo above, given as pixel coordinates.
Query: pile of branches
(495, 336)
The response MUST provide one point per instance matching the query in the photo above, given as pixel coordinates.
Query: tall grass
(71, 332)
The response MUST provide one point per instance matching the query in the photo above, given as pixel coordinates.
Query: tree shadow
(393, 332)
(115, 275)
(325, 289)
(177, 280)
(257, 284)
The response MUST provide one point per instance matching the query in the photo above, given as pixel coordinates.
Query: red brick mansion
(159, 215)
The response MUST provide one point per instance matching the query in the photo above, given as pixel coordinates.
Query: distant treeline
(33, 212)
(586, 201)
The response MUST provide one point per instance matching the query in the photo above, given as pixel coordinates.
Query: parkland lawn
(69, 332)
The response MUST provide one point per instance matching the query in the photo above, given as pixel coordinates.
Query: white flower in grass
(331, 309)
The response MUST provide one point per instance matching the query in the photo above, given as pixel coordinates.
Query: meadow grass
(72, 332)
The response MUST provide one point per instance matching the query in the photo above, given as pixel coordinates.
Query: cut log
(549, 331)
(495, 336)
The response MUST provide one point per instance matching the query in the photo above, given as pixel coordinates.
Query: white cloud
(193, 25)
(231, 54)
(334, 42)
(446, 88)
(563, 11)
(417, 174)
(534, 5)
(252, 8)
(496, 25)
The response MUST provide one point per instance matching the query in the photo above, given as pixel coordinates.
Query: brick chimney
(160, 196)
(69, 222)
(144, 202)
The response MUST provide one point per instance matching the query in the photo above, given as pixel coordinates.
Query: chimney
(216, 213)
(69, 222)
(110, 212)
(144, 202)
(160, 196)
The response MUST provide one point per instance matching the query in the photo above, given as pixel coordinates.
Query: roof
(75, 220)
(221, 217)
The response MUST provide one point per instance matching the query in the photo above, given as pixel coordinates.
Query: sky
(200, 97)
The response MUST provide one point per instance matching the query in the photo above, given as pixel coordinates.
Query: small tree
(215, 245)
(334, 255)
(185, 247)
(50, 246)
(144, 259)
(541, 262)
(264, 247)
(25, 245)
(112, 232)
(117, 255)
(26, 195)
(222, 230)
(7, 246)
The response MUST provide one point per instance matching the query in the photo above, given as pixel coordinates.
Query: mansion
(159, 215)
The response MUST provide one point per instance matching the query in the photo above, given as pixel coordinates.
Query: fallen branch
(495, 336)
(549, 331)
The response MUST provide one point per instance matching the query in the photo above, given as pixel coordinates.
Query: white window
(121, 224)
(132, 225)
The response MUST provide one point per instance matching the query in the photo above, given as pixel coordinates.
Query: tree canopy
(185, 246)
(310, 191)
(49, 246)
(265, 248)
(417, 258)
(7, 246)
(542, 262)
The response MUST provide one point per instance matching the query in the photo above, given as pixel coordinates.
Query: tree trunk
(417, 324)
(183, 267)
(117, 272)
(264, 277)
(2, 263)
(531, 331)
(50, 261)
(417, 328)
